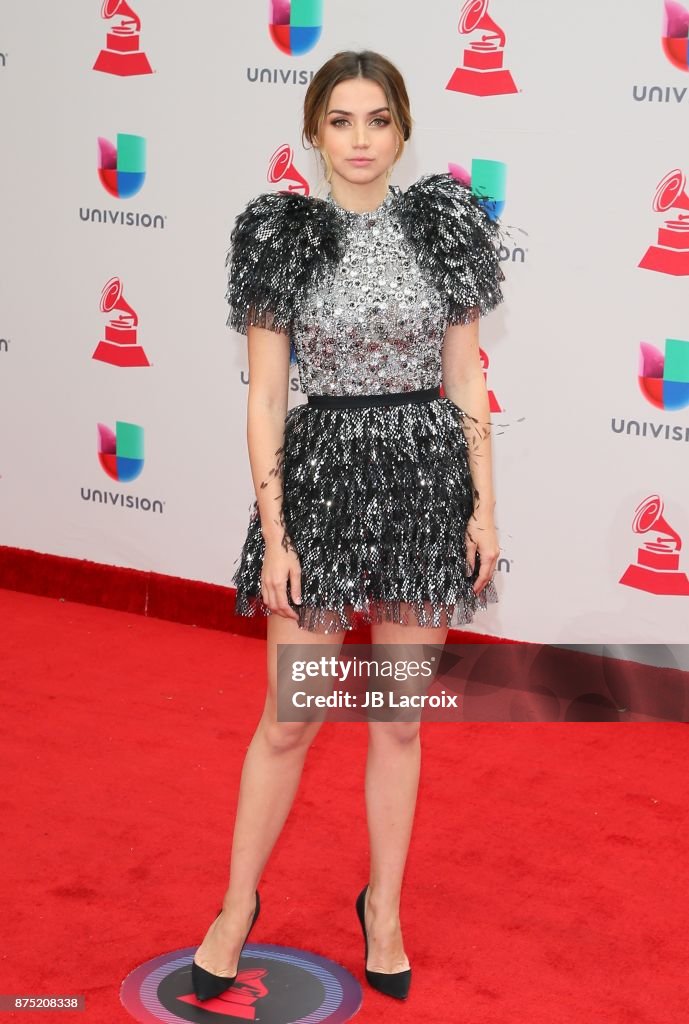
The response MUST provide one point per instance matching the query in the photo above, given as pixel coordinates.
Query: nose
(360, 136)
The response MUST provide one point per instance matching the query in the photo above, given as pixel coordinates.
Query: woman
(380, 500)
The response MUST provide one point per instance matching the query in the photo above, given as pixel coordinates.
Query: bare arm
(464, 384)
(266, 411)
(265, 424)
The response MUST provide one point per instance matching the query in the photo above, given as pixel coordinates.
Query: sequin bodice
(374, 323)
(365, 297)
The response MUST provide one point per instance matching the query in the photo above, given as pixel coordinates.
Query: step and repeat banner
(134, 133)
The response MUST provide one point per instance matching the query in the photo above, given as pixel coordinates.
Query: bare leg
(270, 778)
(392, 776)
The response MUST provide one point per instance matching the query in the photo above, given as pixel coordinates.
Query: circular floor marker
(275, 985)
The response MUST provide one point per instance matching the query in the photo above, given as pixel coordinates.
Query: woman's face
(358, 124)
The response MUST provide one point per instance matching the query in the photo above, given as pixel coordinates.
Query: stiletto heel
(207, 985)
(396, 985)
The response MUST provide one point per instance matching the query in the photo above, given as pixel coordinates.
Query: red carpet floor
(546, 881)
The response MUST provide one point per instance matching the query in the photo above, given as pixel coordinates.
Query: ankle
(385, 907)
(241, 904)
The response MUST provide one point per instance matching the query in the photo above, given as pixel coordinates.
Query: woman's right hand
(279, 566)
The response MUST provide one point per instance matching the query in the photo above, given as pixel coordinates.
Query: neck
(359, 198)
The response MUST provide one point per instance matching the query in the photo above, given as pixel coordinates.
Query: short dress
(376, 483)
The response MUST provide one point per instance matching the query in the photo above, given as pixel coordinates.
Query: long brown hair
(350, 64)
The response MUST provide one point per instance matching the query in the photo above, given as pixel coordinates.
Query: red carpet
(546, 880)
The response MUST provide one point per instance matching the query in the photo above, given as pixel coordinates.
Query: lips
(360, 160)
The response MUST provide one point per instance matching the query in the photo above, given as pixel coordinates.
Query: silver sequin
(376, 500)
(375, 324)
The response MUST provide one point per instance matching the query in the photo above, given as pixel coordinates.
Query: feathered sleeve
(456, 242)
(279, 245)
(259, 290)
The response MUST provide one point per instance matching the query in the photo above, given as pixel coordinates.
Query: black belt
(388, 398)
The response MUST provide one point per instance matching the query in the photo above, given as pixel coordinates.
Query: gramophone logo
(120, 347)
(671, 253)
(676, 34)
(281, 167)
(275, 984)
(493, 403)
(656, 569)
(664, 376)
(296, 25)
(121, 452)
(482, 72)
(122, 167)
(487, 180)
(122, 54)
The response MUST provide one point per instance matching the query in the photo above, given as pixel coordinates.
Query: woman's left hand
(482, 536)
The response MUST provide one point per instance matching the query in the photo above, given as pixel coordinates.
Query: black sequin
(376, 500)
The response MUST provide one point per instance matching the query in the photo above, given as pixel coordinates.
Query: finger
(484, 576)
(271, 598)
(295, 585)
(283, 604)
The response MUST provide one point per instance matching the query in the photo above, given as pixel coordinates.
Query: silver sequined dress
(375, 499)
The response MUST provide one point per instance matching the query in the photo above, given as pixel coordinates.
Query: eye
(343, 120)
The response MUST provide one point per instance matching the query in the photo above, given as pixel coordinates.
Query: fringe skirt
(376, 497)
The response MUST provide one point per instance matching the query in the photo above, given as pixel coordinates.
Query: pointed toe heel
(210, 986)
(395, 985)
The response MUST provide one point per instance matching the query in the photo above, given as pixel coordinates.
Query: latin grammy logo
(671, 254)
(120, 346)
(482, 72)
(122, 54)
(494, 405)
(281, 166)
(657, 560)
(238, 1001)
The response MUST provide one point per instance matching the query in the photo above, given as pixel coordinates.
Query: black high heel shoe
(397, 984)
(207, 985)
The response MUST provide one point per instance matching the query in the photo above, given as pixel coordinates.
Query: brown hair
(349, 64)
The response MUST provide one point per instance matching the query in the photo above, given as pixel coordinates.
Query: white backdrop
(585, 143)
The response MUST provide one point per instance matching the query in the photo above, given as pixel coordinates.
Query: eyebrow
(379, 110)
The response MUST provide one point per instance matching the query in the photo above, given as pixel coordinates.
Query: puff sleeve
(457, 243)
(260, 286)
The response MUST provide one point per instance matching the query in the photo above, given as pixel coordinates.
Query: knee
(397, 733)
(282, 737)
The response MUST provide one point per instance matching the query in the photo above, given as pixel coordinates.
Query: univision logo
(488, 181)
(663, 378)
(121, 456)
(675, 36)
(675, 43)
(295, 25)
(121, 452)
(122, 173)
(122, 167)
